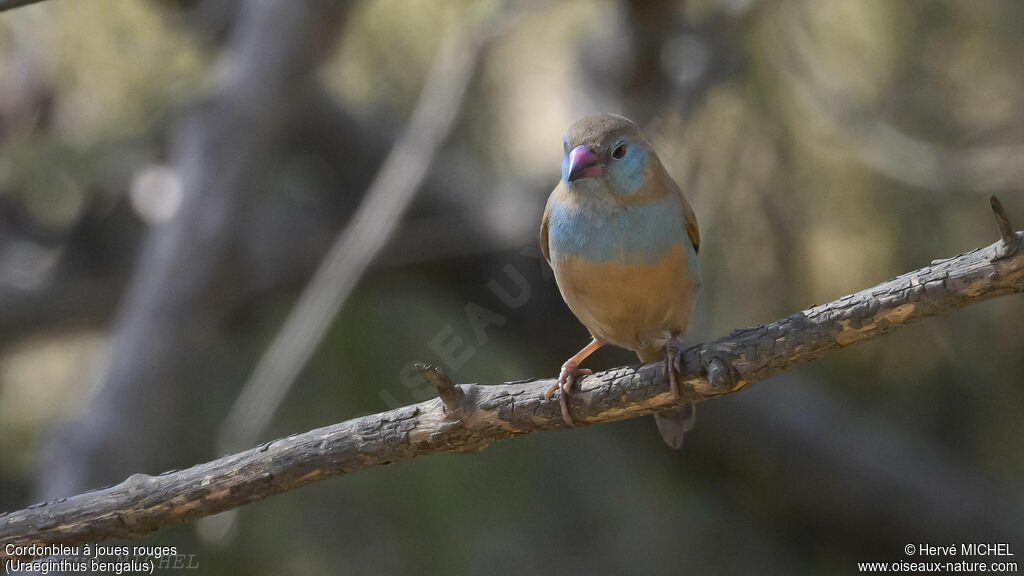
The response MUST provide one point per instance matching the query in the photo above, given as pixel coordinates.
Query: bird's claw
(566, 378)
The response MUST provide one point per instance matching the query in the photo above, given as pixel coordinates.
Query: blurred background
(172, 172)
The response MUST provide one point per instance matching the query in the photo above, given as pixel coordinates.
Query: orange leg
(568, 374)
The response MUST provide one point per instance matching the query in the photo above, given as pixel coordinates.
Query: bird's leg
(568, 374)
(673, 363)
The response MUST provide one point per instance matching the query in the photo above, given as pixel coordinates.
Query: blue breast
(636, 233)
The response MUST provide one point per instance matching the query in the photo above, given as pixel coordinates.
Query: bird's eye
(619, 152)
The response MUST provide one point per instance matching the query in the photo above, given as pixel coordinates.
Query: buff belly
(633, 305)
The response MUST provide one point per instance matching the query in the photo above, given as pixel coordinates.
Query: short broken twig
(1009, 237)
(450, 394)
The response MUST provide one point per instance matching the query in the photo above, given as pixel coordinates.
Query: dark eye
(619, 152)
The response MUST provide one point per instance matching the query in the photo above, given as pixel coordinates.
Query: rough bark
(468, 417)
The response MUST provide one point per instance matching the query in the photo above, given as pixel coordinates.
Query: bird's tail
(674, 423)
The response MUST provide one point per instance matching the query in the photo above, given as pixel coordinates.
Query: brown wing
(689, 217)
(544, 232)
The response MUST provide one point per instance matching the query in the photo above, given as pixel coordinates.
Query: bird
(622, 241)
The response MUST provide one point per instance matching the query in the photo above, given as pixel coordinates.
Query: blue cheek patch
(627, 175)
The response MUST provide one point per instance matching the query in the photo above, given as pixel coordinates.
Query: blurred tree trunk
(171, 338)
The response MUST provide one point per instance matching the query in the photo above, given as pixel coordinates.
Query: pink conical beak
(583, 164)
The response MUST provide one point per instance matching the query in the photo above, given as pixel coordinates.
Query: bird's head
(604, 153)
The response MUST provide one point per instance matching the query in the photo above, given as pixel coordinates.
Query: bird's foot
(566, 377)
(721, 374)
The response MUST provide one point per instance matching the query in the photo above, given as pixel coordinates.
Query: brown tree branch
(473, 416)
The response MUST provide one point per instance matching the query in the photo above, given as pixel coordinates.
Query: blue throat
(638, 233)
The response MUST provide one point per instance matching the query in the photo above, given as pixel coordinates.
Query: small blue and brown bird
(622, 241)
